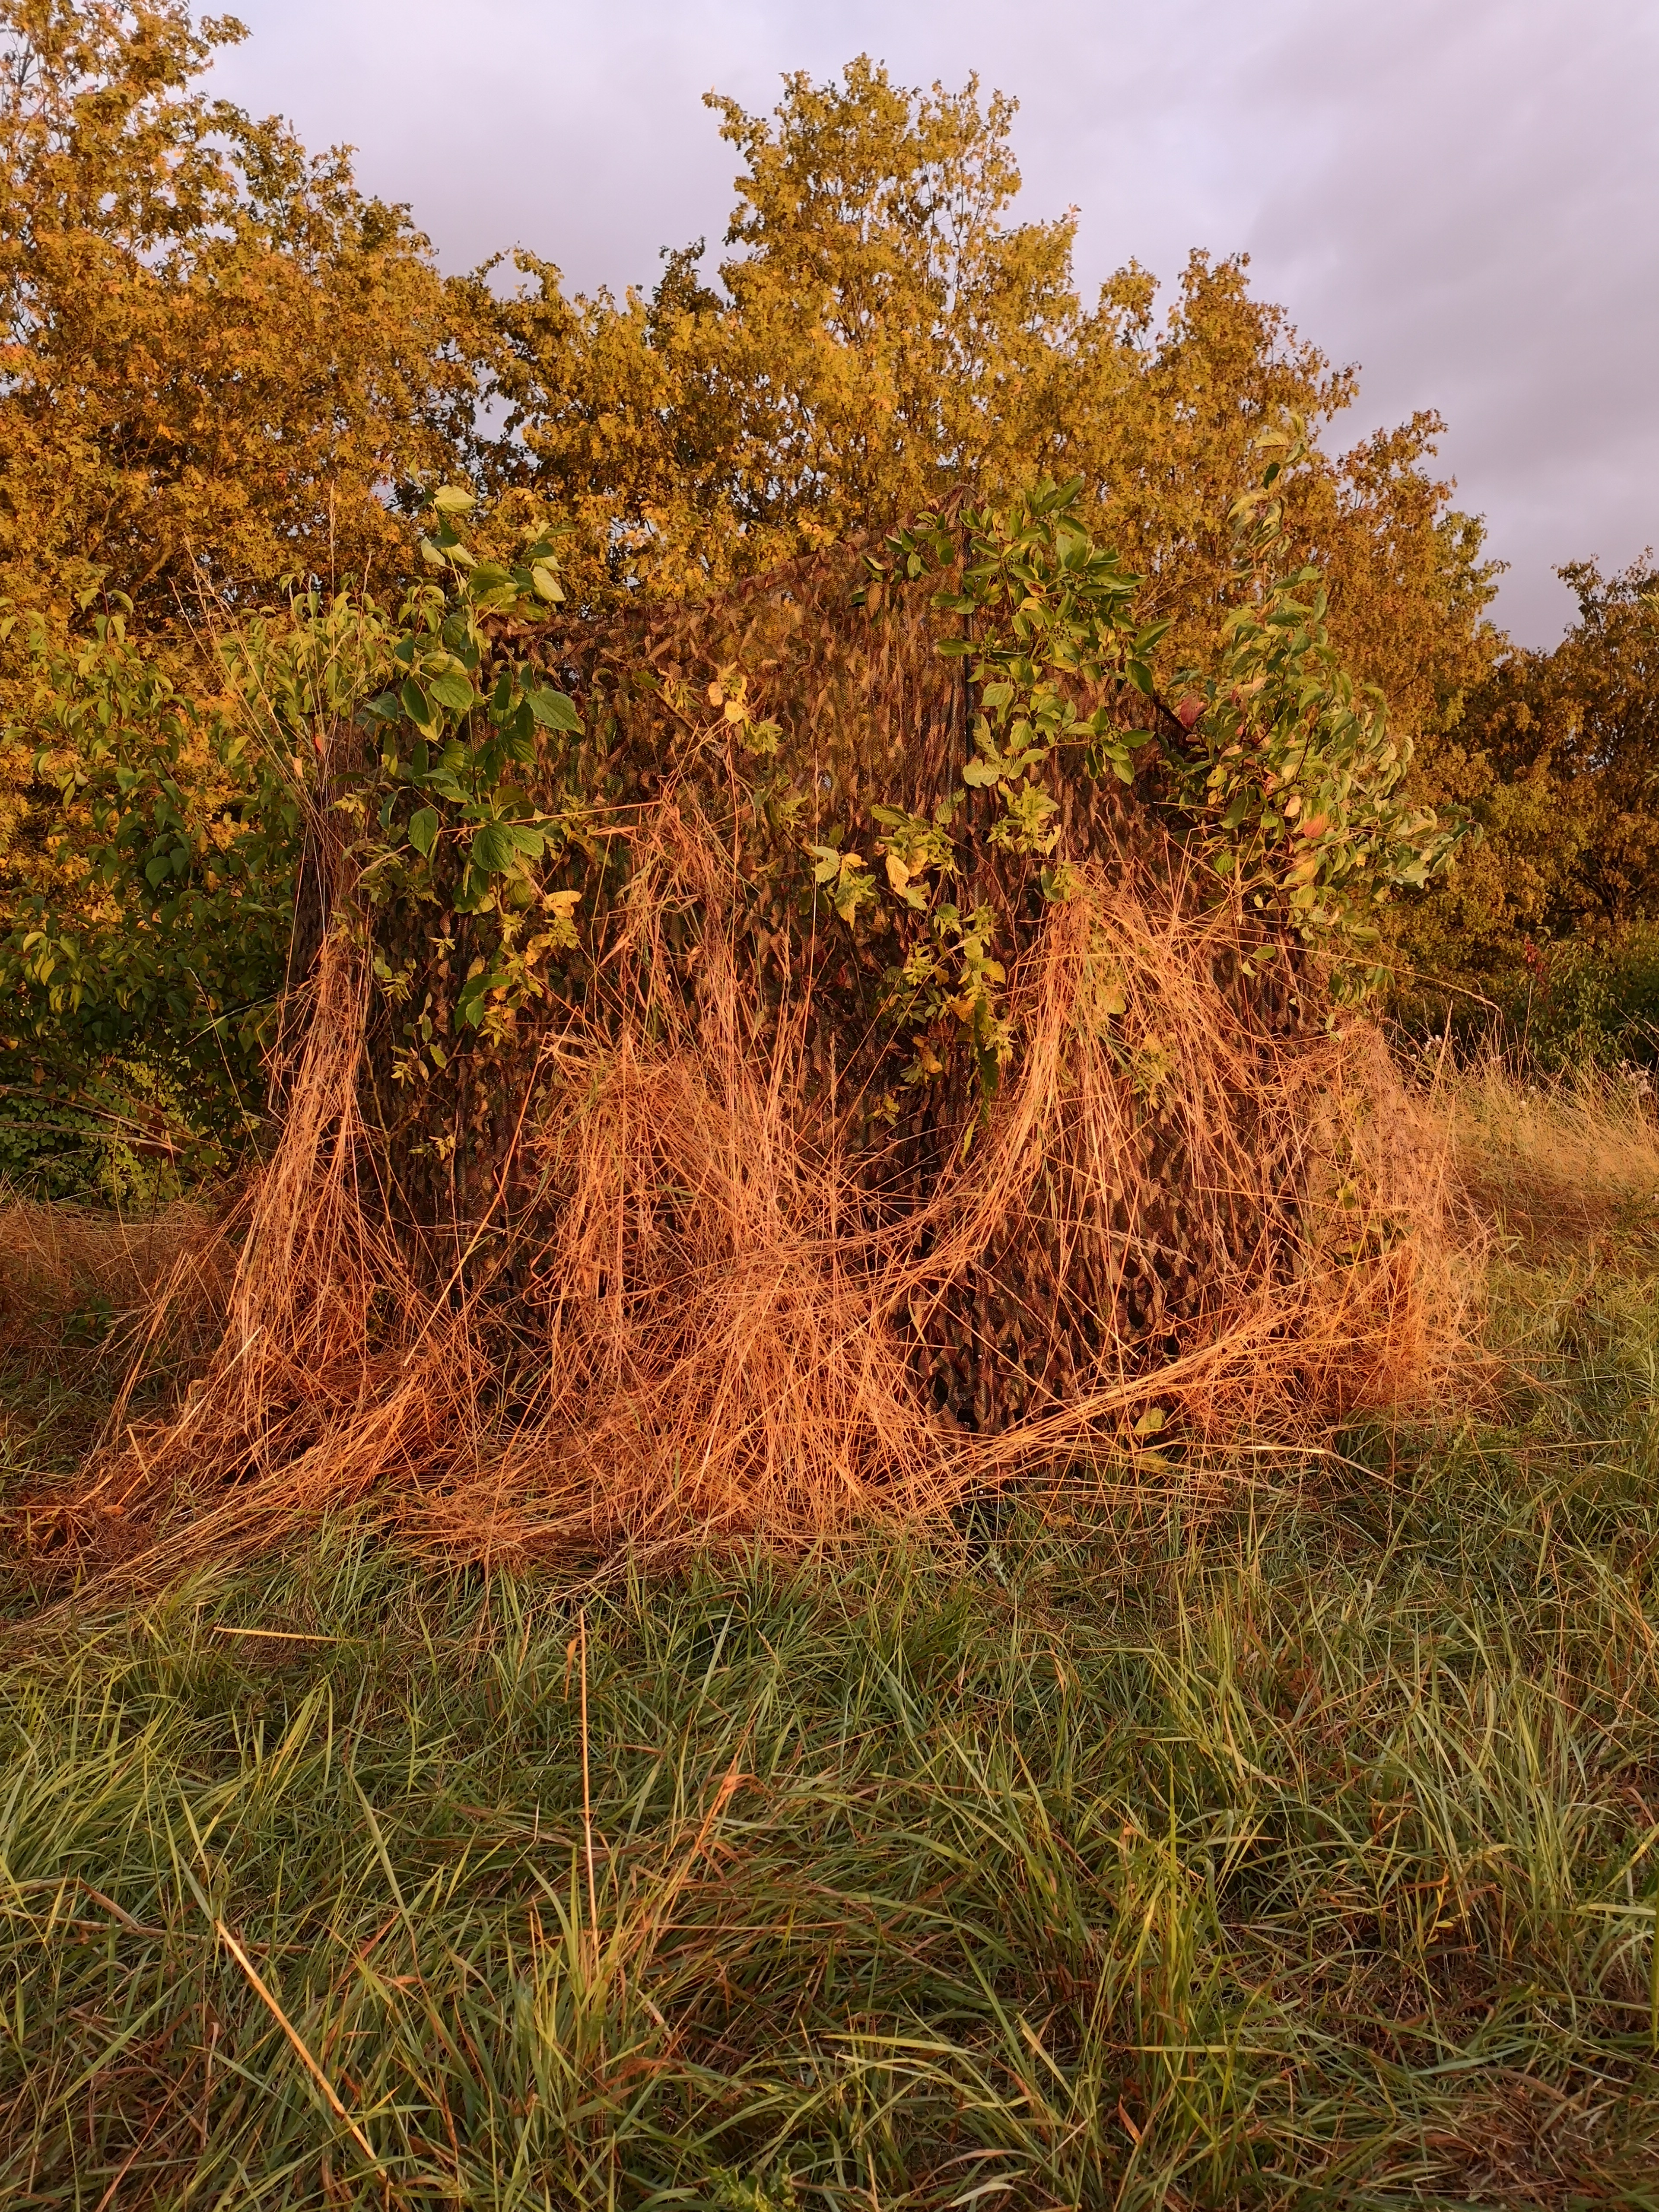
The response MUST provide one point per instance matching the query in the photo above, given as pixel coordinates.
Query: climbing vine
(1279, 772)
(1289, 774)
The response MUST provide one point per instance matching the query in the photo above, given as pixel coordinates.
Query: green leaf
(487, 579)
(452, 690)
(553, 710)
(423, 830)
(453, 498)
(980, 773)
(492, 847)
(416, 705)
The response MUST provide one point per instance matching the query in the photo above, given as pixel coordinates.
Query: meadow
(1275, 1826)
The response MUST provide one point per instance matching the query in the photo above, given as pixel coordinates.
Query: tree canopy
(1557, 757)
(881, 330)
(221, 357)
(230, 375)
(226, 366)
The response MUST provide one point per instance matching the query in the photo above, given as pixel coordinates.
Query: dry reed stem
(297, 2043)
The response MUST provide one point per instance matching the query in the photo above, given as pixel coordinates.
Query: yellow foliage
(881, 334)
(221, 355)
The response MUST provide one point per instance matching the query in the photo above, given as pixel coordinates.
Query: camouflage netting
(699, 920)
(705, 1230)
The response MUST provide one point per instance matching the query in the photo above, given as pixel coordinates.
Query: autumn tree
(882, 331)
(1557, 757)
(222, 359)
(226, 364)
(223, 367)
(1160, 420)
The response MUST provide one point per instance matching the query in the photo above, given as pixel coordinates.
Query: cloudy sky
(1460, 196)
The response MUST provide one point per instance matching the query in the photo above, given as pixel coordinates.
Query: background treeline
(229, 376)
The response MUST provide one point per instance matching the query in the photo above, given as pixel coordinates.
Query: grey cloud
(1459, 195)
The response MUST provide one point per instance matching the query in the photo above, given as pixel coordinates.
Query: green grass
(1302, 1854)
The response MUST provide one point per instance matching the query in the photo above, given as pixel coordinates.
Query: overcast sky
(1460, 196)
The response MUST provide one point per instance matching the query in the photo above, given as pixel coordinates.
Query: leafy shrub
(150, 940)
(781, 1060)
(123, 1136)
(173, 828)
(1576, 1004)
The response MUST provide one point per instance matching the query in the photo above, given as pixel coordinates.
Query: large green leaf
(452, 690)
(494, 848)
(552, 709)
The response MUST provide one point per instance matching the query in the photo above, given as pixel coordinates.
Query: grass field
(1295, 1846)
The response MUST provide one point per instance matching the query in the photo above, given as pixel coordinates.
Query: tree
(1558, 758)
(226, 367)
(222, 367)
(221, 360)
(881, 333)
(1164, 444)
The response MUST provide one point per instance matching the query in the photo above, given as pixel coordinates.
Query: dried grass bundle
(681, 1254)
(690, 1312)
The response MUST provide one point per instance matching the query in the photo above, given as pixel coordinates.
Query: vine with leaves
(1279, 772)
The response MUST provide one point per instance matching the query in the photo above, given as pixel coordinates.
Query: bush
(122, 1137)
(1572, 1005)
(817, 1052)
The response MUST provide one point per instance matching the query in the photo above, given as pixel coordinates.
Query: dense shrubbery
(430, 750)
(233, 378)
(1565, 1004)
(1557, 757)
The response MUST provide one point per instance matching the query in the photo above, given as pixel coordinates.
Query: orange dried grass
(684, 1318)
(58, 1262)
